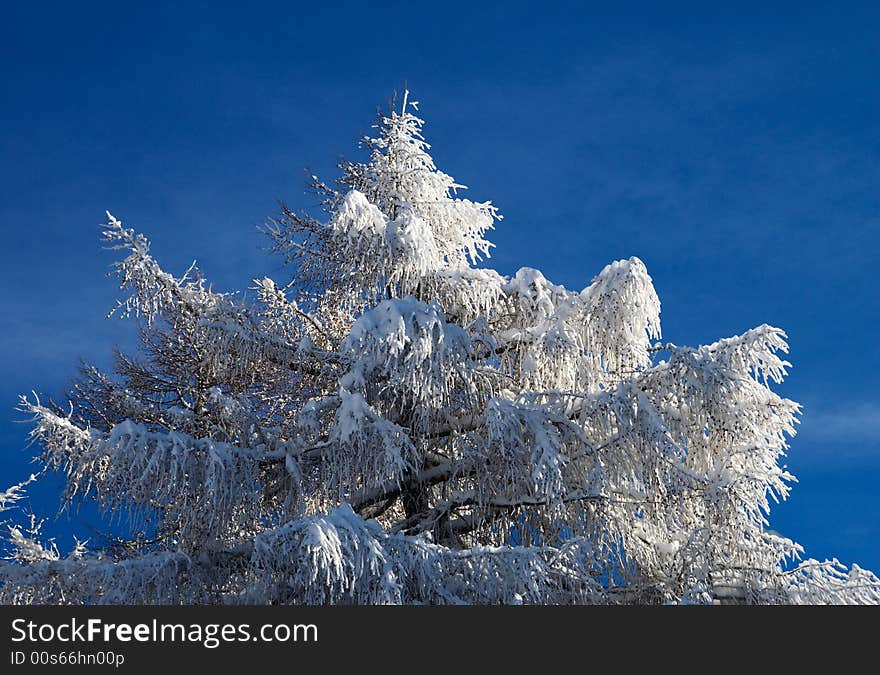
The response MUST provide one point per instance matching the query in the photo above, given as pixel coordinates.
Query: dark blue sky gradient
(736, 153)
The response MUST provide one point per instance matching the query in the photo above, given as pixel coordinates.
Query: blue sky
(736, 153)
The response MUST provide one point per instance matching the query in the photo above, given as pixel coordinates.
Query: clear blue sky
(735, 152)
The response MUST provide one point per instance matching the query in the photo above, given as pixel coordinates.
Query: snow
(398, 424)
(404, 354)
(356, 217)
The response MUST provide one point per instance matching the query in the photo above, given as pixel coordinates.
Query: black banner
(130, 639)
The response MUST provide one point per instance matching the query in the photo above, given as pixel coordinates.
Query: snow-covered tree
(399, 423)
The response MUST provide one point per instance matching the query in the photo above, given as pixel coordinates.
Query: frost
(15, 493)
(398, 424)
(410, 362)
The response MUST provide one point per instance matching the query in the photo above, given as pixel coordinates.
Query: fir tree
(401, 424)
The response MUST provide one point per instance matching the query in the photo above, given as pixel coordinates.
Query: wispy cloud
(858, 422)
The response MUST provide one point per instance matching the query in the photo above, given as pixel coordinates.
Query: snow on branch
(717, 403)
(201, 487)
(14, 493)
(408, 362)
(228, 333)
(365, 449)
(525, 452)
(402, 172)
(621, 315)
(154, 290)
(543, 346)
(830, 583)
(591, 340)
(339, 558)
(154, 578)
